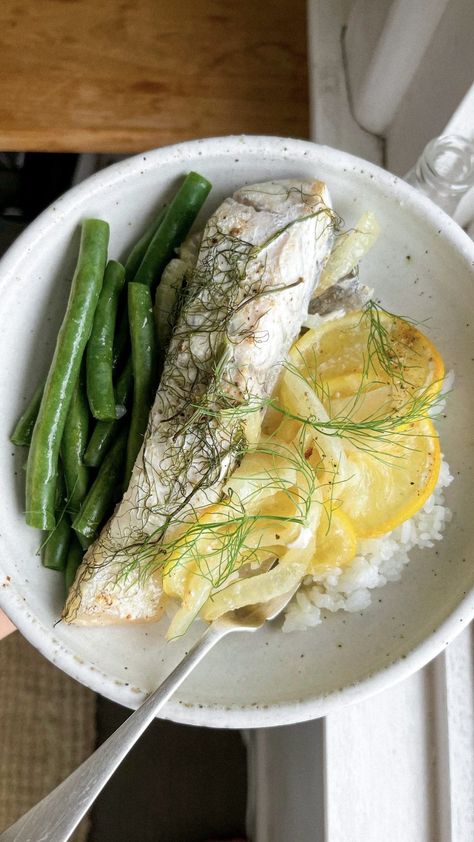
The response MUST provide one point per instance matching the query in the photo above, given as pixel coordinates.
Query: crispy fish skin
(259, 262)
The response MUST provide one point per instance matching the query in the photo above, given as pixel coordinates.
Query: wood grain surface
(127, 75)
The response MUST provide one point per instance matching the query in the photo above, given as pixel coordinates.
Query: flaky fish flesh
(258, 265)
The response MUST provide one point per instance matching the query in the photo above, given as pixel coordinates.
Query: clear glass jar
(444, 171)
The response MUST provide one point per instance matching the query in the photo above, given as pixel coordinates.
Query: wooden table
(127, 75)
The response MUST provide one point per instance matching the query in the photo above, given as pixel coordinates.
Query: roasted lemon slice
(391, 480)
(367, 350)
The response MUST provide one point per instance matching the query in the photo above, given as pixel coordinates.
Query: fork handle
(55, 818)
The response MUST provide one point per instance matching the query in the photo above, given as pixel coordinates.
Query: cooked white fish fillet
(259, 261)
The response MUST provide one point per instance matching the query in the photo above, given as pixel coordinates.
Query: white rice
(378, 561)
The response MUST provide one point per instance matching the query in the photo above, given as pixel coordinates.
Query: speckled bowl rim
(242, 716)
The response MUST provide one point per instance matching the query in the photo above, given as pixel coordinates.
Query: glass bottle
(444, 170)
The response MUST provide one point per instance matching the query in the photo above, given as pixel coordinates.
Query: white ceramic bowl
(422, 267)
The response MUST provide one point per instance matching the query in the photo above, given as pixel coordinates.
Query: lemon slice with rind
(368, 350)
(391, 480)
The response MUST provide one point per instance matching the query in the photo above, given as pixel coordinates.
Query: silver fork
(56, 817)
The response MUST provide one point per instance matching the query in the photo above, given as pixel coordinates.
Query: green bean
(122, 335)
(99, 354)
(74, 558)
(142, 335)
(84, 542)
(70, 345)
(104, 491)
(24, 427)
(156, 247)
(73, 445)
(105, 431)
(139, 249)
(56, 545)
(176, 223)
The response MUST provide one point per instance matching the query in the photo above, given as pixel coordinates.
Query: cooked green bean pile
(85, 425)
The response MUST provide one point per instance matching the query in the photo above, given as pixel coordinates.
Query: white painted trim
(398, 767)
(331, 119)
(462, 121)
(384, 44)
(454, 672)
(286, 783)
